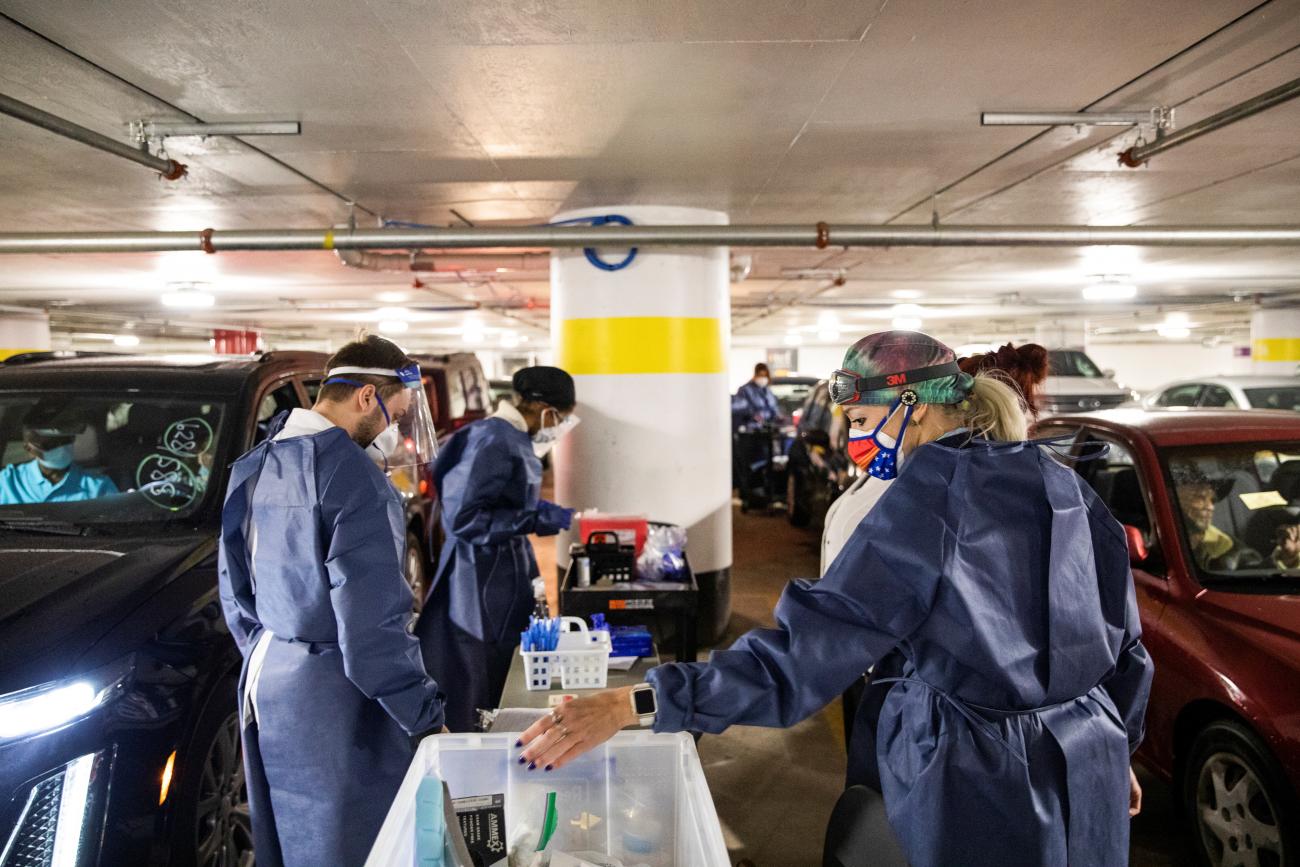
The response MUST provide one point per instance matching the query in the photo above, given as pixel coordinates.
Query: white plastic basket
(581, 660)
(643, 797)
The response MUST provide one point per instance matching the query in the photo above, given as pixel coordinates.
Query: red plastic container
(630, 529)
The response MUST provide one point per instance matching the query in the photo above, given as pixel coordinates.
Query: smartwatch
(645, 704)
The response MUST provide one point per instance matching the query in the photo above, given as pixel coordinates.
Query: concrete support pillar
(1275, 341)
(648, 348)
(23, 330)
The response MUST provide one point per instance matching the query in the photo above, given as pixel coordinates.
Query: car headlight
(53, 705)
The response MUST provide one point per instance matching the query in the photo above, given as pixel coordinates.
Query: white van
(1076, 384)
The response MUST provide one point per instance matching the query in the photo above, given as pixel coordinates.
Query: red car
(1210, 500)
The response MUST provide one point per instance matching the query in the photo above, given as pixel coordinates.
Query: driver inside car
(51, 476)
(1211, 548)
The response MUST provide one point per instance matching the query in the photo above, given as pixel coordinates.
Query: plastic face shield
(408, 413)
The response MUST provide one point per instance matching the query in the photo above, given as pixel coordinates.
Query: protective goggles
(416, 440)
(846, 387)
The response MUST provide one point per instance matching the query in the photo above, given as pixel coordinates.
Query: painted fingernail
(518, 744)
(522, 760)
(549, 768)
(532, 766)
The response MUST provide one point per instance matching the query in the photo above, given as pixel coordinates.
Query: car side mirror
(1137, 546)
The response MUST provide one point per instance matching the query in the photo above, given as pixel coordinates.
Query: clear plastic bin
(641, 798)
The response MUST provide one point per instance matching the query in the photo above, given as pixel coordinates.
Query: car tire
(796, 508)
(212, 825)
(1236, 799)
(416, 571)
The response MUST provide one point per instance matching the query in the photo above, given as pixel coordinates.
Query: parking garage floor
(774, 789)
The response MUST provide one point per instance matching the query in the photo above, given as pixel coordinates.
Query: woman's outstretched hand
(576, 727)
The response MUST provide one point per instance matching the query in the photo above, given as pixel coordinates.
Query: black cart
(655, 604)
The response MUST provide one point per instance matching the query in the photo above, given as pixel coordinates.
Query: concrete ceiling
(509, 112)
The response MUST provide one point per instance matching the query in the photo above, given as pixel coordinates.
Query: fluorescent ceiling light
(828, 335)
(1174, 332)
(908, 310)
(1110, 290)
(793, 338)
(905, 293)
(126, 340)
(473, 334)
(187, 298)
(393, 297)
(392, 313)
(393, 326)
(1177, 318)
(907, 323)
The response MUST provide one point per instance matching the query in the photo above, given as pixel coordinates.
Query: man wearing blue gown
(333, 689)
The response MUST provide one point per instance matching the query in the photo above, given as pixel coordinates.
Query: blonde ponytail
(995, 410)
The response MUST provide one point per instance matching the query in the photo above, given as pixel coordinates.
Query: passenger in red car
(1286, 554)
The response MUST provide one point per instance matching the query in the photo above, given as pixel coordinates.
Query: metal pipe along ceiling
(1139, 154)
(820, 236)
(169, 169)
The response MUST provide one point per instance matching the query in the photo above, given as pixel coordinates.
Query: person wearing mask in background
(50, 476)
(1004, 582)
(489, 479)
(1026, 368)
(333, 690)
(754, 402)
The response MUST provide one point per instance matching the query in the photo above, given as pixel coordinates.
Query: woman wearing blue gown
(1003, 583)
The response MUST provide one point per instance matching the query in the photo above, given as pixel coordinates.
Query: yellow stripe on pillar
(1277, 349)
(641, 344)
(9, 353)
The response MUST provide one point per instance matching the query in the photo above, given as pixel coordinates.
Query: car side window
(1181, 395)
(455, 394)
(1217, 396)
(1118, 484)
(312, 387)
(475, 391)
(281, 399)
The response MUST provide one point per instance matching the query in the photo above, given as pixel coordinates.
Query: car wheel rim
(225, 827)
(1238, 821)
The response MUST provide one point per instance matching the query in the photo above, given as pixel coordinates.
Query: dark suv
(119, 740)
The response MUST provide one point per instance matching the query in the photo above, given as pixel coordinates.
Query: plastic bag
(664, 556)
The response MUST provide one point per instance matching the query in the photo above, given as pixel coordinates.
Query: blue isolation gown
(1004, 585)
(754, 402)
(481, 597)
(312, 543)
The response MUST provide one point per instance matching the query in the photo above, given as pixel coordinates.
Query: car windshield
(1068, 362)
(79, 460)
(1240, 508)
(790, 394)
(1275, 397)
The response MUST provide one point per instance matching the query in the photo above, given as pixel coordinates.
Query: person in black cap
(489, 479)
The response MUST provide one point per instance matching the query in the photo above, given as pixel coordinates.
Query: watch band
(645, 720)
